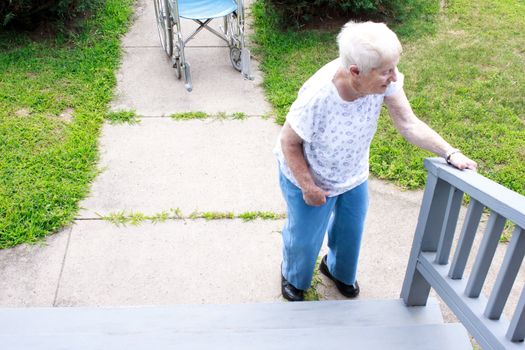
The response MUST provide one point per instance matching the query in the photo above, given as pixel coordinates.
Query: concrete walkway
(212, 165)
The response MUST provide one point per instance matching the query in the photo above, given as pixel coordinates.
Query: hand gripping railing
(428, 266)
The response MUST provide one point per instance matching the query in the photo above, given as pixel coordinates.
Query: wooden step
(416, 337)
(203, 317)
(372, 324)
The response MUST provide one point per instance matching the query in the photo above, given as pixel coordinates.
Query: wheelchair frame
(173, 43)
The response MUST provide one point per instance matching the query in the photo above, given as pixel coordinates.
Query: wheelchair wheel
(232, 30)
(177, 58)
(234, 40)
(164, 25)
(235, 58)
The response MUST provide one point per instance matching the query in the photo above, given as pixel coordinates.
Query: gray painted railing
(429, 265)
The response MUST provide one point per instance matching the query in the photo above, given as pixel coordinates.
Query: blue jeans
(303, 233)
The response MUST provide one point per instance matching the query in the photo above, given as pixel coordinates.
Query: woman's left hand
(461, 161)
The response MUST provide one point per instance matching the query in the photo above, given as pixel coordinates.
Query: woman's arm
(292, 146)
(420, 134)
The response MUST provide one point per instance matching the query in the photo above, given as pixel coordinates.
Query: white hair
(367, 45)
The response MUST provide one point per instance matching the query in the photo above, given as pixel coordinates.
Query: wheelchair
(168, 14)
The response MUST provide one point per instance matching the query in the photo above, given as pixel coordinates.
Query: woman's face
(377, 80)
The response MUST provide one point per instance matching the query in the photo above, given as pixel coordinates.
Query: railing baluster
(415, 288)
(455, 198)
(507, 275)
(486, 254)
(434, 221)
(466, 239)
(516, 331)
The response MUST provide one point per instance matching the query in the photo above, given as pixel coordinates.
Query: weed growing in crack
(239, 116)
(122, 117)
(203, 115)
(189, 115)
(312, 294)
(264, 215)
(160, 217)
(212, 215)
(118, 218)
(137, 218)
(177, 213)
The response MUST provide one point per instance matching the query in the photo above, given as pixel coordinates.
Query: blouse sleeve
(395, 86)
(301, 118)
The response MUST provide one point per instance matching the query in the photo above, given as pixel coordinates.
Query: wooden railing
(429, 265)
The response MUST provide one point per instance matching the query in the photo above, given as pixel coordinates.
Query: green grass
(289, 58)
(53, 98)
(508, 230)
(464, 76)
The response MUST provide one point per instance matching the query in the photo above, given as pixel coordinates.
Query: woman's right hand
(315, 196)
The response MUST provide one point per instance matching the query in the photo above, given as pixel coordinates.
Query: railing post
(430, 222)
(428, 262)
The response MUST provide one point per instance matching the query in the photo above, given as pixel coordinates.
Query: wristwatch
(450, 153)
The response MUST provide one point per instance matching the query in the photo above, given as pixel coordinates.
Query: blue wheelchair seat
(204, 9)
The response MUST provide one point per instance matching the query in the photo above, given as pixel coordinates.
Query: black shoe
(289, 292)
(348, 290)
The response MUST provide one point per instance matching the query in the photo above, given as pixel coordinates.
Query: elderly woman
(323, 154)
